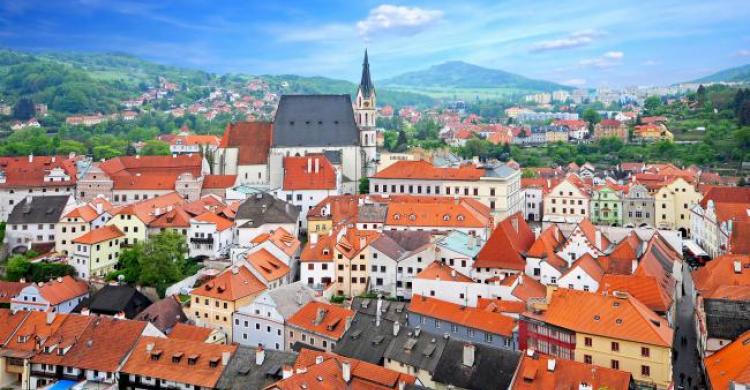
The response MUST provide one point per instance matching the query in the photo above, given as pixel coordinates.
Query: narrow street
(686, 368)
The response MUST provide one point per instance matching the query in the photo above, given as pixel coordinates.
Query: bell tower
(365, 114)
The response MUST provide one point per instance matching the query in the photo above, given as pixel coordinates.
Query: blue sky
(583, 42)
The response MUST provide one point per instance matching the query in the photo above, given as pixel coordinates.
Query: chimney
(346, 371)
(634, 266)
(309, 165)
(453, 273)
(396, 328)
(260, 355)
(298, 297)
(378, 311)
(401, 385)
(520, 279)
(469, 350)
(319, 359)
(50, 317)
(362, 242)
(31, 157)
(235, 270)
(85, 311)
(551, 365)
(53, 158)
(174, 155)
(28, 200)
(313, 238)
(120, 315)
(137, 156)
(225, 356)
(287, 372)
(149, 347)
(514, 222)
(99, 208)
(317, 165)
(72, 155)
(320, 315)
(472, 241)
(598, 238)
(737, 267)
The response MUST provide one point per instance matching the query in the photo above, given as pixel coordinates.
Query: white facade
(578, 279)
(317, 273)
(532, 203)
(259, 323)
(395, 277)
(463, 293)
(307, 199)
(31, 299)
(205, 240)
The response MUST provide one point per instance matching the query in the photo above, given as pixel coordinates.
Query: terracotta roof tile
(721, 272)
(267, 265)
(333, 323)
(148, 210)
(646, 289)
(354, 241)
(486, 319)
(182, 331)
(253, 139)
(86, 212)
(231, 286)
(219, 181)
(533, 374)
(729, 364)
(424, 170)
(9, 290)
(175, 218)
(321, 251)
(63, 289)
(507, 245)
(170, 166)
(104, 233)
(19, 172)
(66, 335)
(220, 222)
(104, 345)
(439, 271)
(300, 173)
(440, 212)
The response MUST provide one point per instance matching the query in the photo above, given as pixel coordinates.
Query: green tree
(70, 146)
(591, 116)
(401, 142)
(652, 103)
(364, 185)
(18, 267)
(155, 148)
(24, 109)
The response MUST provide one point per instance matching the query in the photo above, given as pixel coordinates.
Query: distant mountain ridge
(736, 74)
(459, 74)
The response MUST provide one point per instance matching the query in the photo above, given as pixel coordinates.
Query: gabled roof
(220, 222)
(104, 233)
(267, 265)
(315, 120)
(646, 289)
(170, 359)
(104, 345)
(232, 284)
(546, 244)
(163, 314)
(721, 272)
(533, 374)
(398, 245)
(67, 334)
(460, 242)
(141, 166)
(219, 181)
(253, 139)
(470, 317)
(322, 318)
(730, 364)
(493, 368)
(148, 210)
(618, 316)
(9, 290)
(41, 209)
(589, 265)
(322, 250)
(175, 218)
(113, 299)
(184, 331)
(441, 212)
(443, 272)
(281, 239)
(62, 289)
(507, 245)
(86, 212)
(311, 172)
(20, 172)
(264, 208)
(424, 170)
(354, 241)
(34, 329)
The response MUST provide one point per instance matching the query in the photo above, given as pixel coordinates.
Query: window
(645, 370)
(615, 364)
(587, 359)
(645, 352)
(587, 341)
(615, 347)
(488, 337)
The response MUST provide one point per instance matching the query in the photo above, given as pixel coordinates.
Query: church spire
(365, 85)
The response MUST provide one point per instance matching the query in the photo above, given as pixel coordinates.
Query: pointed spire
(365, 85)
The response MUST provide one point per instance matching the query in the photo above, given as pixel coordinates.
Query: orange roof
(354, 241)
(220, 222)
(281, 239)
(253, 139)
(104, 233)
(545, 245)
(85, 212)
(9, 290)
(231, 285)
(193, 139)
(438, 212)
(507, 245)
(169, 166)
(328, 374)
(35, 328)
(439, 271)
(189, 332)
(311, 172)
(616, 316)
(62, 289)
(424, 170)
(729, 364)
(501, 306)
(104, 344)
(720, 272)
(589, 231)
(170, 359)
(589, 265)
(149, 182)
(267, 265)
(219, 181)
(646, 289)
(486, 319)
(320, 251)
(19, 172)
(321, 318)
(533, 373)
(66, 335)
(739, 243)
(526, 288)
(9, 321)
(149, 209)
(175, 218)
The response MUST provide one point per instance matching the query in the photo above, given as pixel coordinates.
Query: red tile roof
(220, 222)
(104, 345)
(182, 331)
(153, 165)
(146, 210)
(424, 170)
(104, 233)
(300, 173)
(739, 243)
(86, 212)
(9, 322)
(148, 182)
(646, 289)
(219, 181)
(533, 374)
(486, 319)
(440, 212)
(281, 239)
(332, 325)
(9, 290)
(175, 218)
(730, 364)
(253, 140)
(439, 271)
(33, 329)
(19, 172)
(66, 335)
(354, 241)
(267, 265)
(321, 251)
(615, 316)
(507, 245)
(170, 359)
(192, 139)
(62, 289)
(231, 285)
(721, 272)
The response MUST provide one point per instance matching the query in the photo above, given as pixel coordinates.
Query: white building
(396, 258)
(34, 176)
(307, 181)
(61, 295)
(209, 235)
(33, 221)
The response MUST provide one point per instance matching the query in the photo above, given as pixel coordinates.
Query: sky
(589, 43)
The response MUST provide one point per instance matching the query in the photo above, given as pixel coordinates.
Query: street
(686, 368)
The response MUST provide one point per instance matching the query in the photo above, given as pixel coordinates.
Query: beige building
(96, 252)
(673, 203)
(78, 221)
(134, 219)
(213, 304)
(351, 258)
(568, 201)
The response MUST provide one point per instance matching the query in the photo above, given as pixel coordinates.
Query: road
(687, 364)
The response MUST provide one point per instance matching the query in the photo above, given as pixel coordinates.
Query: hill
(457, 77)
(736, 74)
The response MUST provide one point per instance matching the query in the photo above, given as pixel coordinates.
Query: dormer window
(192, 360)
(446, 217)
(214, 362)
(460, 217)
(396, 217)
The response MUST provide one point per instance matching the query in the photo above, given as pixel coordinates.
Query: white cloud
(398, 19)
(574, 82)
(650, 63)
(576, 39)
(606, 60)
(742, 53)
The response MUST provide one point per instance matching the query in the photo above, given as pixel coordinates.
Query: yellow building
(351, 258)
(672, 205)
(615, 331)
(213, 303)
(332, 210)
(96, 252)
(652, 132)
(79, 221)
(134, 219)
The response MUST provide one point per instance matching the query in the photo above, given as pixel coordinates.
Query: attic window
(192, 359)
(618, 321)
(291, 123)
(412, 217)
(155, 355)
(177, 357)
(596, 317)
(307, 122)
(335, 122)
(320, 122)
(396, 217)
(446, 217)
(460, 217)
(213, 362)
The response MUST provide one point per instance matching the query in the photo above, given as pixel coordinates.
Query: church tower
(365, 114)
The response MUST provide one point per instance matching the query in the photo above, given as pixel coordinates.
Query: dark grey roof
(366, 339)
(416, 348)
(111, 300)
(315, 120)
(263, 208)
(370, 213)
(163, 314)
(334, 156)
(365, 84)
(41, 209)
(243, 373)
(493, 367)
(398, 244)
(298, 346)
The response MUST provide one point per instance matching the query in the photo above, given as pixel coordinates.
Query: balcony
(202, 240)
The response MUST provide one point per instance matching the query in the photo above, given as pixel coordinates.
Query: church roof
(366, 85)
(315, 120)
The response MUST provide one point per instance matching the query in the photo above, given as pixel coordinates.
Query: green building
(606, 207)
